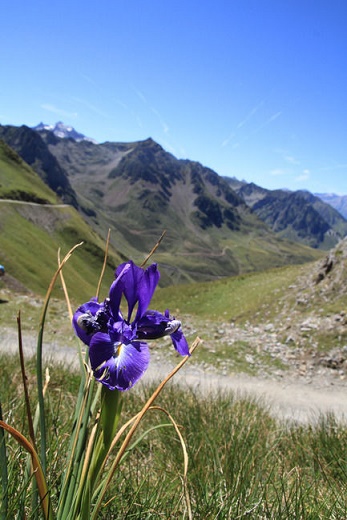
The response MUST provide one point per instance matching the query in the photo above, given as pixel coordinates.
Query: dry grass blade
(185, 457)
(104, 264)
(37, 469)
(54, 279)
(39, 374)
(65, 288)
(154, 249)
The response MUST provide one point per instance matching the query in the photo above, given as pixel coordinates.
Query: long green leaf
(39, 371)
(25, 386)
(77, 449)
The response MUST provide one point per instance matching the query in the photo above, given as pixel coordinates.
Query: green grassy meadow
(235, 298)
(242, 462)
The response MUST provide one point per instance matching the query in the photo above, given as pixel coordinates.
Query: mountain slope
(31, 148)
(298, 216)
(19, 182)
(138, 190)
(33, 227)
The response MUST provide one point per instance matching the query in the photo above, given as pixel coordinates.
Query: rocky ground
(307, 337)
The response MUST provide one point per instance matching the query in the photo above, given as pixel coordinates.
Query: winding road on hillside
(11, 201)
(289, 398)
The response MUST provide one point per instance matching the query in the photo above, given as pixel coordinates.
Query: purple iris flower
(118, 352)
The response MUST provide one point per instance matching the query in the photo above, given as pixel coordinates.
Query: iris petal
(130, 283)
(180, 343)
(118, 366)
(91, 307)
(138, 286)
(117, 288)
(101, 349)
(146, 289)
(152, 325)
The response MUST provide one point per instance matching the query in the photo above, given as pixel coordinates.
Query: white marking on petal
(172, 326)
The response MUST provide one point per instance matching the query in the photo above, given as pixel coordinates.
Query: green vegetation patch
(236, 298)
(29, 242)
(19, 181)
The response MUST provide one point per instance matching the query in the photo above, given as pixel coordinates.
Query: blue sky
(255, 89)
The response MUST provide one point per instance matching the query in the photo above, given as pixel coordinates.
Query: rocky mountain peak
(62, 131)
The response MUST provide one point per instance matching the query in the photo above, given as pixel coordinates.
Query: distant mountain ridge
(339, 202)
(63, 131)
(298, 215)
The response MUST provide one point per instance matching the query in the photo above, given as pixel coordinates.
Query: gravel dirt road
(289, 398)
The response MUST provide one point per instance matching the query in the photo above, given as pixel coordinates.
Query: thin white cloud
(274, 117)
(140, 95)
(122, 104)
(248, 117)
(277, 172)
(267, 122)
(287, 156)
(240, 124)
(169, 148)
(250, 114)
(90, 107)
(164, 126)
(88, 79)
(227, 140)
(291, 160)
(59, 111)
(305, 175)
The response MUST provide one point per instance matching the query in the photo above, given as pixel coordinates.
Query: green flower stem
(136, 422)
(111, 406)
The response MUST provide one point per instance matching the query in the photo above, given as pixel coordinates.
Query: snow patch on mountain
(63, 131)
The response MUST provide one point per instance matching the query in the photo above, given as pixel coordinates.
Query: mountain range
(295, 215)
(214, 226)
